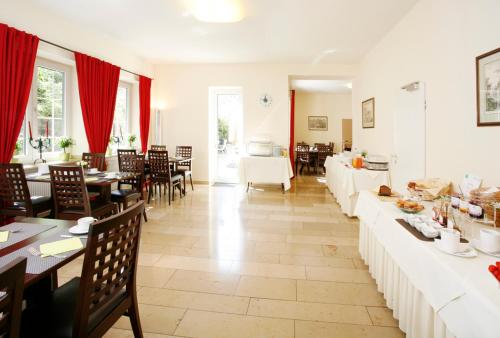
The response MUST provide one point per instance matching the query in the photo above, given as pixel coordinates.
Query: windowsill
(30, 168)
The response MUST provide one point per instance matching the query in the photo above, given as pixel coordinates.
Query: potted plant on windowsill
(131, 140)
(64, 143)
(18, 148)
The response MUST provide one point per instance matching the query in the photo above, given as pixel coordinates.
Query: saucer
(477, 244)
(77, 230)
(467, 251)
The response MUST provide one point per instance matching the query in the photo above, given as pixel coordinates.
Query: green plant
(223, 129)
(18, 147)
(131, 139)
(66, 142)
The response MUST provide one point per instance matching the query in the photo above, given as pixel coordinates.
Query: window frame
(128, 108)
(29, 153)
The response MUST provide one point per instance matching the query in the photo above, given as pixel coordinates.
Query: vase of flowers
(64, 143)
(131, 140)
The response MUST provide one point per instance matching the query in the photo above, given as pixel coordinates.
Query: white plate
(477, 244)
(76, 230)
(468, 251)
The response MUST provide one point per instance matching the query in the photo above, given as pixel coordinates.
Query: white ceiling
(321, 86)
(273, 31)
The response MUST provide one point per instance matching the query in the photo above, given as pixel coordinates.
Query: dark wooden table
(51, 273)
(98, 181)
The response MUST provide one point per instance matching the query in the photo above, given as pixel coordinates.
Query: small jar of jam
(475, 210)
(455, 201)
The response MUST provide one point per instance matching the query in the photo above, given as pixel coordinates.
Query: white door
(408, 159)
(227, 133)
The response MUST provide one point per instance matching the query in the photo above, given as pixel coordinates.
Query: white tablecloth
(266, 170)
(432, 294)
(345, 183)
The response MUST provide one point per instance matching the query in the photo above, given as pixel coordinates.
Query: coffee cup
(84, 223)
(490, 240)
(450, 240)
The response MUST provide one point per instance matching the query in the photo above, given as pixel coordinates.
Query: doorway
(346, 134)
(226, 133)
(408, 159)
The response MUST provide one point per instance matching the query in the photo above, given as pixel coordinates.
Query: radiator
(39, 189)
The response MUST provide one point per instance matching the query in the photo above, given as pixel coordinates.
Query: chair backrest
(184, 151)
(302, 144)
(68, 190)
(159, 164)
(158, 147)
(14, 188)
(122, 152)
(95, 160)
(319, 144)
(323, 152)
(12, 287)
(332, 147)
(109, 268)
(133, 164)
(302, 152)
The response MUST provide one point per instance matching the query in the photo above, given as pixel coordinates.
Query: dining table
(101, 181)
(26, 234)
(432, 293)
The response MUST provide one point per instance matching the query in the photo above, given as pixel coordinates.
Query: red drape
(292, 127)
(17, 60)
(145, 110)
(97, 85)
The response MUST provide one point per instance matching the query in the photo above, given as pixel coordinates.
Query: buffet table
(433, 294)
(345, 182)
(266, 170)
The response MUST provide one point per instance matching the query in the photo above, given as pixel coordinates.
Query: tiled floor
(223, 263)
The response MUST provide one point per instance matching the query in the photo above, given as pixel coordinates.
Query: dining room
(246, 168)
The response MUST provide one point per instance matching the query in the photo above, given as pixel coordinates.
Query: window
(46, 110)
(120, 119)
(50, 112)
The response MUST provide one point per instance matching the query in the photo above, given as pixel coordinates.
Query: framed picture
(368, 113)
(317, 123)
(488, 88)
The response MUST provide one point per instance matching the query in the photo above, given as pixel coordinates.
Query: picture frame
(488, 88)
(318, 123)
(368, 113)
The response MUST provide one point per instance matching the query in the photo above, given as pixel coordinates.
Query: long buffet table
(345, 182)
(433, 294)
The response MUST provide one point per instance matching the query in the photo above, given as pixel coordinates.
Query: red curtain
(292, 127)
(17, 60)
(97, 85)
(145, 110)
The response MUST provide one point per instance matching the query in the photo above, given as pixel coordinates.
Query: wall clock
(266, 100)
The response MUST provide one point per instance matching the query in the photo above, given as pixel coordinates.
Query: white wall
(436, 42)
(183, 91)
(335, 106)
(45, 24)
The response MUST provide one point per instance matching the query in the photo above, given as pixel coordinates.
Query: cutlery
(71, 236)
(36, 252)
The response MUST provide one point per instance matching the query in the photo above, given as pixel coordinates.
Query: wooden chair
(304, 158)
(332, 147)
(71, 200)
(184, 168)
(89, 306)
(161, 174)
(133, 194)
(158, 147)
(120, 153)
(15, 197)
(12, 286)
(95, 160)
(319, 144)
(323, 152)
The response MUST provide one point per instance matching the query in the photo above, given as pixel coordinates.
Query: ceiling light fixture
(217, 11)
